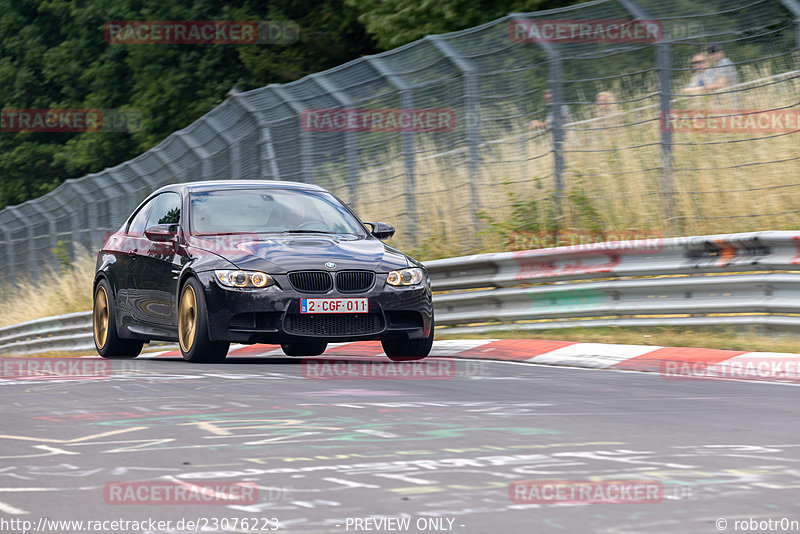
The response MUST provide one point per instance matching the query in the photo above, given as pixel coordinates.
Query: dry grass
(723, 182)
(59, 291)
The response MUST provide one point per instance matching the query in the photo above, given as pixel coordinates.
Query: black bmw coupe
(210, 263)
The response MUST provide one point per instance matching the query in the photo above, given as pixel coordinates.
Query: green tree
(53, 55)
(397, 22)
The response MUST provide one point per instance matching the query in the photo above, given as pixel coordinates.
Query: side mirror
(381, 230)
(162, 233)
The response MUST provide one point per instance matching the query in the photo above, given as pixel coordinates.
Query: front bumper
(272, 315)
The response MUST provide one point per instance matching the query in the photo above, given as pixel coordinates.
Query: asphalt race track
(361, 454)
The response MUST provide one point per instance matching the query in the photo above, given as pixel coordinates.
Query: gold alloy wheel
(187, 318)
(100, 317)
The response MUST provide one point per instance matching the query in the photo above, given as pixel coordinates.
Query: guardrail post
(664, 70)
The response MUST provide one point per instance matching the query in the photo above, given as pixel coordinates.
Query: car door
(125, 250)
(156, 269)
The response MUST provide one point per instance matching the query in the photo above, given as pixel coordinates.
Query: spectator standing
(702, 77)
(606, 109)
(549, 118)
(723, 76)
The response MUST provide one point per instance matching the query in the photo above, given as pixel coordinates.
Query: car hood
(281, 254)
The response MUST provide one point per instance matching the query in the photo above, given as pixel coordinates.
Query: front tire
(196, 346)
(104, 327)
(404, 349)
(310, 348)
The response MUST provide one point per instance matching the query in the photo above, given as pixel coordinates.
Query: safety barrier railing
(730, 279)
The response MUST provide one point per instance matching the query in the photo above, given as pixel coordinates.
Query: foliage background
(52, 55)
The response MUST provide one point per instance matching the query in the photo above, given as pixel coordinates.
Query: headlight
(405, 277)
(245, 279)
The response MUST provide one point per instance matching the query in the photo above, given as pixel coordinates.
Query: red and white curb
(670, 362)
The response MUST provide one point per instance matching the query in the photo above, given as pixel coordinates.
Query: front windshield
(270, 211)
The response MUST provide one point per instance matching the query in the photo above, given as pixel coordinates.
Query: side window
(166, 210)
(138, 224)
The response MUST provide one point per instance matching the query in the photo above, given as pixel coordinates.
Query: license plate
(334, 305)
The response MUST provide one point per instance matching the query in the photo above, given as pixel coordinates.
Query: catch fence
(614, 148)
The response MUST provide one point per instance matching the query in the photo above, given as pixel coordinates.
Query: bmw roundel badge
(330, 265)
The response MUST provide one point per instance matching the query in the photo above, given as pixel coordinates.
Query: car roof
(217, 185)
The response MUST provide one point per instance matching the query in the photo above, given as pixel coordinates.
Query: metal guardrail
(748, 278)
(62, 333)
(729, 279)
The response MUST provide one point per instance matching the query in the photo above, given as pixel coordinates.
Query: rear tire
(104, 327)
(310, 348)
(196, 346)
(404, 349)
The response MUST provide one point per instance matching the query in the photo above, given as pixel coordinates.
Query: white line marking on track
(13, 510)
(611, 370)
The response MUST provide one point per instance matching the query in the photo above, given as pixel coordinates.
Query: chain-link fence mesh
(598, 154)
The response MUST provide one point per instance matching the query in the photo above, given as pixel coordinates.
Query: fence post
(143, 175)
(469, 72)
(406, 101)
(664, 70)
(350, 139)
(267, 159)
(555, 81)
(73, 220)
(51, 228)
(92, 215)
(33, 260)
(157, 152)
(199, 151)
(794, 8)
(127, 202)
(557, 87)
(306, 168)
(9, 246)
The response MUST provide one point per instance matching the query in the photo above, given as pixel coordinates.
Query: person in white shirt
(723, 75)
(702, 77)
